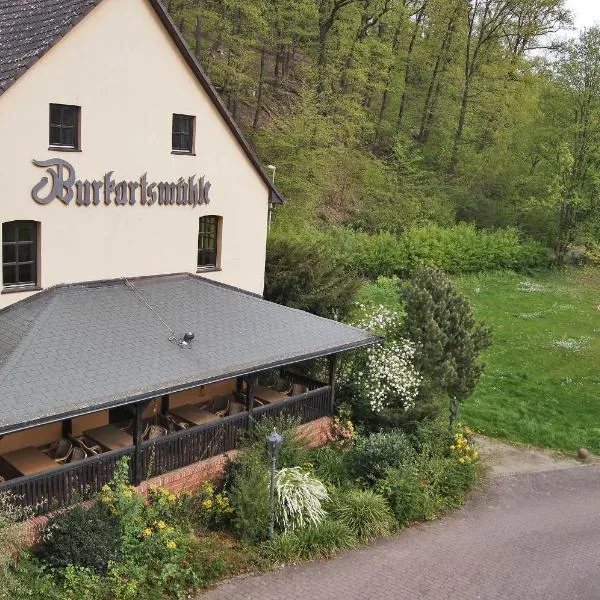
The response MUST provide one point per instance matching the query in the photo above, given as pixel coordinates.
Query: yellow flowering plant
(342, 431)
(463, 446)
(165, 506)
(213, 508)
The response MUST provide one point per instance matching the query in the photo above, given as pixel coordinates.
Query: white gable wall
(120, 65)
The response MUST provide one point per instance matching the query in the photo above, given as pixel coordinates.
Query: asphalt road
(534, 536)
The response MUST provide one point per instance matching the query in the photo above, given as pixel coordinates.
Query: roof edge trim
(372, 341)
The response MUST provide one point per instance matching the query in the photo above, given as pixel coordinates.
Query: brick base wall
(192, 477)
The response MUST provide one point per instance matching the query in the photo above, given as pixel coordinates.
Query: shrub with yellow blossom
(464, 447)
(212, 508)
(342, 430)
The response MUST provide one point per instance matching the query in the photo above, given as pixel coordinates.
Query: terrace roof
(75, 349)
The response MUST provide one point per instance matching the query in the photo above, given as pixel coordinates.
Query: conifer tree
(449, 342)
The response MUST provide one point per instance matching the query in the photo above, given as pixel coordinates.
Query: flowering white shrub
(384, 375)
(299, 497)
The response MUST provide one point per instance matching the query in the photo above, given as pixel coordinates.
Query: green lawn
(542, 380)
(541, 385)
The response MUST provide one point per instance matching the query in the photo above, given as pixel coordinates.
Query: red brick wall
(192, 477)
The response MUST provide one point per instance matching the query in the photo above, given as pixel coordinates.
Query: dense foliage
(440, 321)
(387, 115)
(82, 537)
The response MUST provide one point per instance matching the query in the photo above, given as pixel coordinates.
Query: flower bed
(167, 545)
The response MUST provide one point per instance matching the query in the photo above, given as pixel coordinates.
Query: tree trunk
(461, 125)
(198, 37)
(261, 80)
(407, 69)
(441, 59)
(385, 98)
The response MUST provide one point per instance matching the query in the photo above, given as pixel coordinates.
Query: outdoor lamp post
(274, 441)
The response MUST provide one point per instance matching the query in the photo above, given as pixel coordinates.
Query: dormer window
(183, 134)
(64, 127)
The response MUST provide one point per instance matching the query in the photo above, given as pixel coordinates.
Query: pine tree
(449, 342)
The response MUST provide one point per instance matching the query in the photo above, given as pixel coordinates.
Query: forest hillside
(390, 115)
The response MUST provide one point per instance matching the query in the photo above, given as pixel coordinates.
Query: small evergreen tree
(448, 341)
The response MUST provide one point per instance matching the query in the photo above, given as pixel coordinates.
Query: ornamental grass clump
(364, 512)
(299, 496)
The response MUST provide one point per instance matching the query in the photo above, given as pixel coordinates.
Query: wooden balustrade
(69, 483)
(192, 445)
(60, 487)
(307, 407)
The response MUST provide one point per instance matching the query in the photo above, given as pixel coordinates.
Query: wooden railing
(309, 382)
(60, 487)
(191, 445)
(306, 407)
(67, 484)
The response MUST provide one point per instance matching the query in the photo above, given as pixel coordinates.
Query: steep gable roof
(29, 28)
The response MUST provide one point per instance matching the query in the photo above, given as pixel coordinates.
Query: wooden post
(67, 428)
(165, 402)
(138, 430)
(239, 386)
(333, 367)
(250, 385)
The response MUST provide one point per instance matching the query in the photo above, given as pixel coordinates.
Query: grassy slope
(533, 391)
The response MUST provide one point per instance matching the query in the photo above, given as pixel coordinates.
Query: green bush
(366, 513)
(432, 438)
(330, 466)
(323, 540)
(370, 457)
(248, 488)
(301, 273)
(83, 537)
(29, 578)
(464, 249)
(458, 249)
(13, 533)
(450, 479)
(410, 496)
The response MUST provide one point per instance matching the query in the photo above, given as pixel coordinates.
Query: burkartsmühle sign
(62, 184)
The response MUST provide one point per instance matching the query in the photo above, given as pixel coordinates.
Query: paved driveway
(529, 537)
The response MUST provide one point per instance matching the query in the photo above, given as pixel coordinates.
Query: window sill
(15, 289)
(63, 149)
(208, 269)
(183, 153)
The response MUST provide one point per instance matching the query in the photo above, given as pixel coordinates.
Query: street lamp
(274, 441)
(273, 169)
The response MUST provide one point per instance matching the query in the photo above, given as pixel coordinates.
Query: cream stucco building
(123, 75)
(134, 218)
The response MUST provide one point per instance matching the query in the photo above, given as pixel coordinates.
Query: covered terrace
(167, 370)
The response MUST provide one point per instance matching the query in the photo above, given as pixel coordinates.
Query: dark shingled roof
(29, 28)
(78, 348)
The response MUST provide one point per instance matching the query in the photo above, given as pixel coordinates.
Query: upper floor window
(208, 242)
(64, 126)
(183, 134)
(19, 253)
